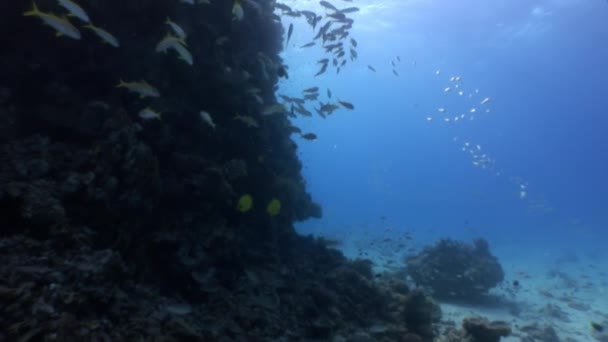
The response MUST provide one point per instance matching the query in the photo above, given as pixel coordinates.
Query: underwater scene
(304, 170)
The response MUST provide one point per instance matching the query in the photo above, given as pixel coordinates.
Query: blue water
(544, 64)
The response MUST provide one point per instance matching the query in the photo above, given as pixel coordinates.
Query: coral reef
(123, 226)
(455, 270)
(477, 329)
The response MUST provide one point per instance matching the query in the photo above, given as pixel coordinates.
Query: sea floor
(544, 297)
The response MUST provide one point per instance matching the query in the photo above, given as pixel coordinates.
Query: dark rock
(455, 270)
(481, 330)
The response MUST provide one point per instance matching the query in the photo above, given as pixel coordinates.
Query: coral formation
(123, 225)
(455, 270)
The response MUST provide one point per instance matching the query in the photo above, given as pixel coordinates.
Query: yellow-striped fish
(75, 10)
(106, 36)
(61, 25)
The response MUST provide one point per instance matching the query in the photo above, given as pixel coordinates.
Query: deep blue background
(545, 66)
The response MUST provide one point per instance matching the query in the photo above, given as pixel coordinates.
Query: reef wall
(124, 152)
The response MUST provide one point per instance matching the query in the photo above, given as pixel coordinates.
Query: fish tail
(34, 12)
(121, 84)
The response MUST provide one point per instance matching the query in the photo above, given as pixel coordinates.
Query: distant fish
(274, 109)
(309, 136)
(486, 100)
(149, 114)
(353, 42)
(328, 5)
(177, 44)
(371, 68)
(105, 36)
(179, 32)
(328, 93)
(349, 10)
(289, 32)
(323, 69)
(143, 88)
(395, 72)
(247, 120)
(460, 93)
(429, 119)
(61, 25)
(311, 90)
(447, 89)
(307, 45)
(237, 11)
(207, 118)
(437, 72)
(168, 42)
(184, 54)
(441, 110)
(75, 10)
(473, 110)
(347, 105)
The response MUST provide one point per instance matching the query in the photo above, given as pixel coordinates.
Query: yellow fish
(245, 203)
(274, 207)
(61, 25)
(143, 88)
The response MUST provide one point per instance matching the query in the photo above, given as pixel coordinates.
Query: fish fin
(34, 12)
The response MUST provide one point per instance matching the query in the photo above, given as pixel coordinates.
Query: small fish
(237, 11)
(75, 10)
(447, 89)
(473, 110)
(61, 25)
(169, 42)
(395, 72)
(460, 93)
(437, 72)
(323, 69)
(307, 45)
(248, 120)
(349, 10)
(143, 88)
(371, 68)
(441, 110)
(274, 109)
(398, 59)
(328, 5)
(183, 53)
(105, 36)
(328, 93)
(346, 105)
(353, 42)
(429, 119)
(309, 136)
(289, 32)
(148, 114)
(311, 90)
(302, 111)
(486, 100)
(207, 118)
(179, 32)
